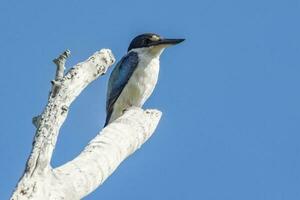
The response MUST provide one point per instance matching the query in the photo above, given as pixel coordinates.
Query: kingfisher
(133, 79)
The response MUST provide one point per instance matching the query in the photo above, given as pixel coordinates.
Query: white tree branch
(107, 150)
(102, 155)
(60, 63)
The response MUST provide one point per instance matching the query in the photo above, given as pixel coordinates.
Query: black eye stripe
(147, 41)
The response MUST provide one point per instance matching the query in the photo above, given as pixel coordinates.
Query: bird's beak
(167, 41)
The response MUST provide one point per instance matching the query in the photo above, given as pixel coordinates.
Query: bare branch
(60, 70)
(60, 64)
(50, 121)
(108, 149)
(102, 155)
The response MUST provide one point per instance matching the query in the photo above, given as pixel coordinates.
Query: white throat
(152, 52)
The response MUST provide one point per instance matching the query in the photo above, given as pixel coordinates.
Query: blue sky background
(229, 94)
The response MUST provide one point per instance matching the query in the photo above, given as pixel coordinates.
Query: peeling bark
(77, 178)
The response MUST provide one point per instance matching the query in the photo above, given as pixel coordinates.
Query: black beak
(168, 41)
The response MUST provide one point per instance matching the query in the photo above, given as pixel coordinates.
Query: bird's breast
(142, 82)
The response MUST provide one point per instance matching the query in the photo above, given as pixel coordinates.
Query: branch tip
(60, 64)
(67, 53)
(62, 57)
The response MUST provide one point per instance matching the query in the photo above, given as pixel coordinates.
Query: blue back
(118, 79)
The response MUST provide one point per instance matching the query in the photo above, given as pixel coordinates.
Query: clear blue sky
(229, 94)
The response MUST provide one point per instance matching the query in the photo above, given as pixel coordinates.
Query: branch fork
(80, 176)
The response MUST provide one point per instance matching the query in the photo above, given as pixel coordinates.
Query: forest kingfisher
(134, 78)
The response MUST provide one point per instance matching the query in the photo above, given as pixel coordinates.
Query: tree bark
(80, 176)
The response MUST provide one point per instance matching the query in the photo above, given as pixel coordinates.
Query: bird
(134, 78)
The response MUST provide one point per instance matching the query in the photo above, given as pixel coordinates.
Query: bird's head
(152, 42)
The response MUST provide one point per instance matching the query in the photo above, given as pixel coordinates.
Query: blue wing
(118, 79)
